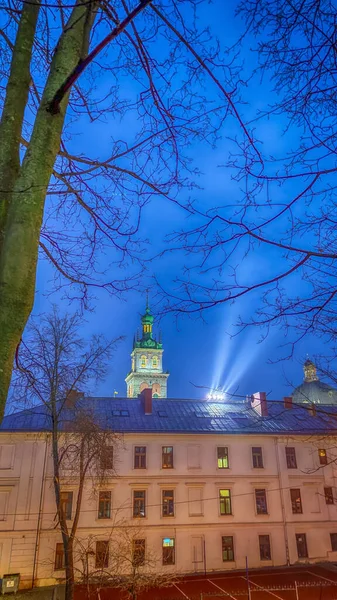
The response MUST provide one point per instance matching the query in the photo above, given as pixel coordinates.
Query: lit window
(139, 507)
(138, 552)
(143, 361)
(227, 548)
(301, 543)
(59, 557)
(261, 502)
(168, 551)
(168, 503)
(223, 458)
(257, 458)
(291, 458)
(104, 505)
(66, 503)
(225, 502)
(323, 459)
(264, 543)
(328, 495)
(155, 362)
(102, 554)
(296, 503)
(167, 457)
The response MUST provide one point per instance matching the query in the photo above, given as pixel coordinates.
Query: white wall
(195, 467)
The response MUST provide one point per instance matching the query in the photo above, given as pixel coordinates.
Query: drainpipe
(38, 528)
(282, 503)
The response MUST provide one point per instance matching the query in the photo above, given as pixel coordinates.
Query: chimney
(72, 396)
(147, 400)
(288, 402)
(312, 409)
(259, 403)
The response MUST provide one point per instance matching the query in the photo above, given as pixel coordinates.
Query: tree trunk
(17, 91)
(19, 253)
(68, 542)
(70, 579)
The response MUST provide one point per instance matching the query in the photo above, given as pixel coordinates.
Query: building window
(225, 502)
(257, 458)
(223, 458)
(169, 551)
(102, 554)
(104, 505)
(59, 557)
(167, 457)
(7, 453)
(296, 503)
(4, 501)
(328, 495)
(261, 502)
(107, 458)
(301, 543)
(291, 458)
(66, 503)
(143, 361)
(138, 552)
(155, 362)
(264, 543)
(333, 538)
(139, 508)
(168, 503)
(140, 457)
(323, 459)
(227, 548)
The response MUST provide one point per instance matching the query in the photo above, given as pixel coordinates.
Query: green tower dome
(147, 318)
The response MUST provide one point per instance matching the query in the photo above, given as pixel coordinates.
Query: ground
(289, 583)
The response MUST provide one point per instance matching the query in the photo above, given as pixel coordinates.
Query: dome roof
(312, 390)
(147, 318)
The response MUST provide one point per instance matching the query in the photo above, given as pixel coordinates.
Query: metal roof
(182, 416)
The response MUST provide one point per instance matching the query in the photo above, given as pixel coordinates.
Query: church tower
(147, 362)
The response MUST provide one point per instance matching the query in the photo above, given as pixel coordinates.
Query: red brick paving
(233, 585)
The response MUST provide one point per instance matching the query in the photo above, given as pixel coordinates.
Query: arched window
(155, 362)
(143, 386)
(143, 361)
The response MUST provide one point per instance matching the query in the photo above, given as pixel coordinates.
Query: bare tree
(72, 65)
(285, 210)
(126, 561)
(54, 361)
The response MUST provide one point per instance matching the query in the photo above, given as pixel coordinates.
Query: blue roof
(182, 416)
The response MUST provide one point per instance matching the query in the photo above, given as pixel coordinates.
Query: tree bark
(17, 91)
(19, 252)
(67, 540)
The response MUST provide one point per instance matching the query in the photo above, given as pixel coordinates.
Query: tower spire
(309, 368)
(147, 360)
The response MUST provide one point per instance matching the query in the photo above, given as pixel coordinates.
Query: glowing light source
(216, 395)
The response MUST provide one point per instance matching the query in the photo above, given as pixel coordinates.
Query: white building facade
(209, 483)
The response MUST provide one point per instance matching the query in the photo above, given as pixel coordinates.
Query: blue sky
(199, 351)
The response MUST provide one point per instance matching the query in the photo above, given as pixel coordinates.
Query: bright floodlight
(216, 395)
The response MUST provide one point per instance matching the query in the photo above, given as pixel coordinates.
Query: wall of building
(195, 474)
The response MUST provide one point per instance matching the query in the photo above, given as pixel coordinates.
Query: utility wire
(180, 502)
